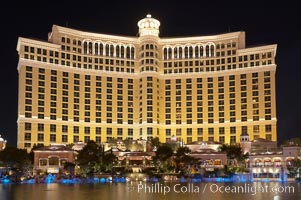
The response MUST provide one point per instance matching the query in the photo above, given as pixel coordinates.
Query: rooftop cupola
(148, 26)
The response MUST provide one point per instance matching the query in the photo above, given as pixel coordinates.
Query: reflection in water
(151, 191)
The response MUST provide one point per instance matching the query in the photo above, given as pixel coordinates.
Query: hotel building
(81, 86)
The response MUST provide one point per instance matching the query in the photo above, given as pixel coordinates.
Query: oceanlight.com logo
(250, 189)
(212, 188)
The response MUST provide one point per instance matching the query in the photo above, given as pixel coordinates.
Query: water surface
(152, 191)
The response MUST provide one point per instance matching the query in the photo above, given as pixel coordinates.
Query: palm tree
(233, 151)
(235, 156)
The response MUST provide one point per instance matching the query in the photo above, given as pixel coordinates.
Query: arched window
(117, 51)
(212, 50)
(217, 46)
(258, 163)
(90, 47)
(128, 52)
(79, 43)
(147, 46)
(277, 162)
(68, 40)
(101, 49)
(151, 46)
(132, 52)
(267, 162)
(53, 161)
(85, 48)
(186, 52)
(165, 53)
(201, 51)
(63, 39)
(74, 42)
(169, 53)
(180, 52)
(207, 51)
(190, 52)
(175, 52)
(196, 51)
(111, 50)
(96, 52)
(122, 52)
(107, 50)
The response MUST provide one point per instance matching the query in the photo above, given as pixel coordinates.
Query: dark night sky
(264, 23)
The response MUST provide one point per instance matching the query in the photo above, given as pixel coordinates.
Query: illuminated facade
(81, 86)
(52, 159)
(2, 143)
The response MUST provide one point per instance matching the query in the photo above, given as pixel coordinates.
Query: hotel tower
(81, 86)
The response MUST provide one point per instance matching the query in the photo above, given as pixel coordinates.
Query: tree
(173, 145)
(108, 161)
(294, 167)
(236, 157)
(163, 156)
(112, 141)
(93, 159)
(35, 147)
(128, 144)
(182, 151)
(155, 142)
(135, 146)
(233, 151)
(89, 158)
(27, 168)
(69, 167)
(163, 153)
(17, 160)
(183, 160)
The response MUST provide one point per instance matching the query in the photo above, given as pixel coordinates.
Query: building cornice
(36, 43)
(22, 118)
(33, 63)
(94, 36)
(261, 68)
(198, 39)
(259, 49)
(59, 67)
